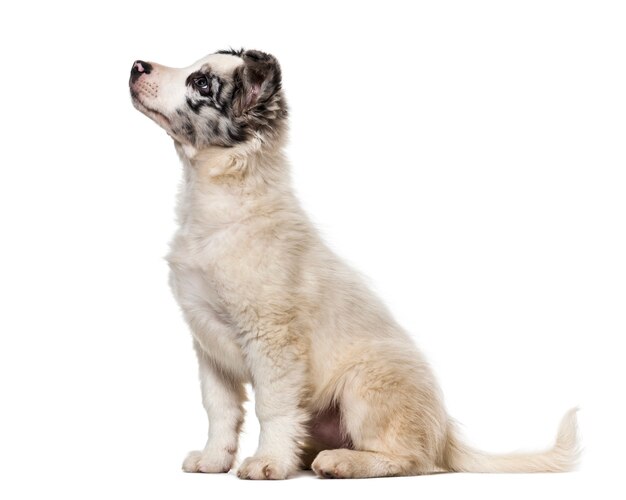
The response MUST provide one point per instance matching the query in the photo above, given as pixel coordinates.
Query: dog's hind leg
(392, 413)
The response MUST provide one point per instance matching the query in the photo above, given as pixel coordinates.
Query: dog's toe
(211, 463)
(262, 468)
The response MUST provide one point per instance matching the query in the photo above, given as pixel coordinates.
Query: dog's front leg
(278, 369)
(222, 397)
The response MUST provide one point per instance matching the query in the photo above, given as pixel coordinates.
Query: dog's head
(224, 99)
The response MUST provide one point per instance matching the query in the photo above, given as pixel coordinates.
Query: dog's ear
(257, 81)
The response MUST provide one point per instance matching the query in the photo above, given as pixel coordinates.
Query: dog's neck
(255, 164)
(223, 185)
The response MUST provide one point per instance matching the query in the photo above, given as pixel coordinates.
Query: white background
(468, 157)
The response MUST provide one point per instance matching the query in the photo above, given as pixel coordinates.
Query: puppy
(339, 386)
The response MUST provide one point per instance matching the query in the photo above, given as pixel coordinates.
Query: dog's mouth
(155, 115)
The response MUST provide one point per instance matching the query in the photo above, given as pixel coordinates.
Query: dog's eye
(201, 83)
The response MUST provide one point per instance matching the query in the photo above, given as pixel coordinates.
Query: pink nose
(139, 68)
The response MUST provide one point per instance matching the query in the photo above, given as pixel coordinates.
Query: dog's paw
(198, 461)
(333, 464)
(263, 468)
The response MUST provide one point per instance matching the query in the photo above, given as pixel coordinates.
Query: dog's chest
(201, 254)
(199, 260)
(208, 234)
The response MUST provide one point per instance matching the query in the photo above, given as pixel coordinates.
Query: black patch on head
(184, 127)
(196, 106)
(217, 85)
(209, 96)
(232, 52)
(237, 134)
(216, 128)
(189, 131)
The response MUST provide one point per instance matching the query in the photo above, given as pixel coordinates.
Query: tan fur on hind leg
(344, 464)
(392, 411)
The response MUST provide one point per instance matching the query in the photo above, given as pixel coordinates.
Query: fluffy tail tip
(567, 441)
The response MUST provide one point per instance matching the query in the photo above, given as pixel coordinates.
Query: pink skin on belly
(326, 429)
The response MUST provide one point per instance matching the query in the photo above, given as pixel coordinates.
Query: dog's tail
(562, 457)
